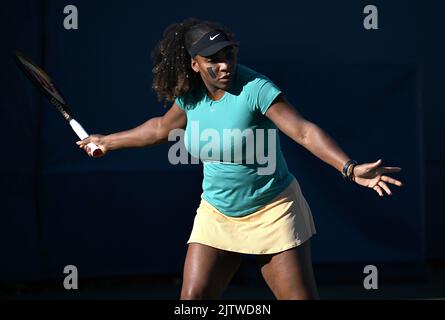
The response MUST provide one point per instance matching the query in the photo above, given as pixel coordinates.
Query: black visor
(211, 43)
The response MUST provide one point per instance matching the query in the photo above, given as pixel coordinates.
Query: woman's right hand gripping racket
(96, 140)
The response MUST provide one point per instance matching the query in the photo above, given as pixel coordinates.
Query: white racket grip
(82, 134)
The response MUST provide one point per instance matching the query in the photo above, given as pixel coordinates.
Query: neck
(214, 93)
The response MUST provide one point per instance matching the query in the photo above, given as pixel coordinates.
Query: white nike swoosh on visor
(214, 37)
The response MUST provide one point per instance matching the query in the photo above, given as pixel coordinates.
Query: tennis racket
(41, 79)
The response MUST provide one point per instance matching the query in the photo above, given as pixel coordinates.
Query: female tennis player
(244, 209)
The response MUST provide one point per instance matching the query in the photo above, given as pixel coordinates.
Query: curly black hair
(173, 75)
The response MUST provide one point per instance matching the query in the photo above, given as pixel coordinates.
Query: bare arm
(152, 132)
(319, 143)
(306, 133)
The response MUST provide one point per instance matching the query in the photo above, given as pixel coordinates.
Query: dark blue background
(378, 93)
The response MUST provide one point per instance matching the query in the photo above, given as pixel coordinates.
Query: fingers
(86, 149)
(377, 174)
(373, 165)
(376, 164)
(83, 143)
(378, 190)
(385, 187)
(392, 181)
(390, 169)
(381, 185)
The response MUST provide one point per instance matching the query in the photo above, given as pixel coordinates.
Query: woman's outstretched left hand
(371, 175)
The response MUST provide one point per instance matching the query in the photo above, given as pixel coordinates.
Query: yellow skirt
(284, 223)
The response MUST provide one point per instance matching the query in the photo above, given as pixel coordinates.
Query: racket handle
(82, 134)
(94, 150)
